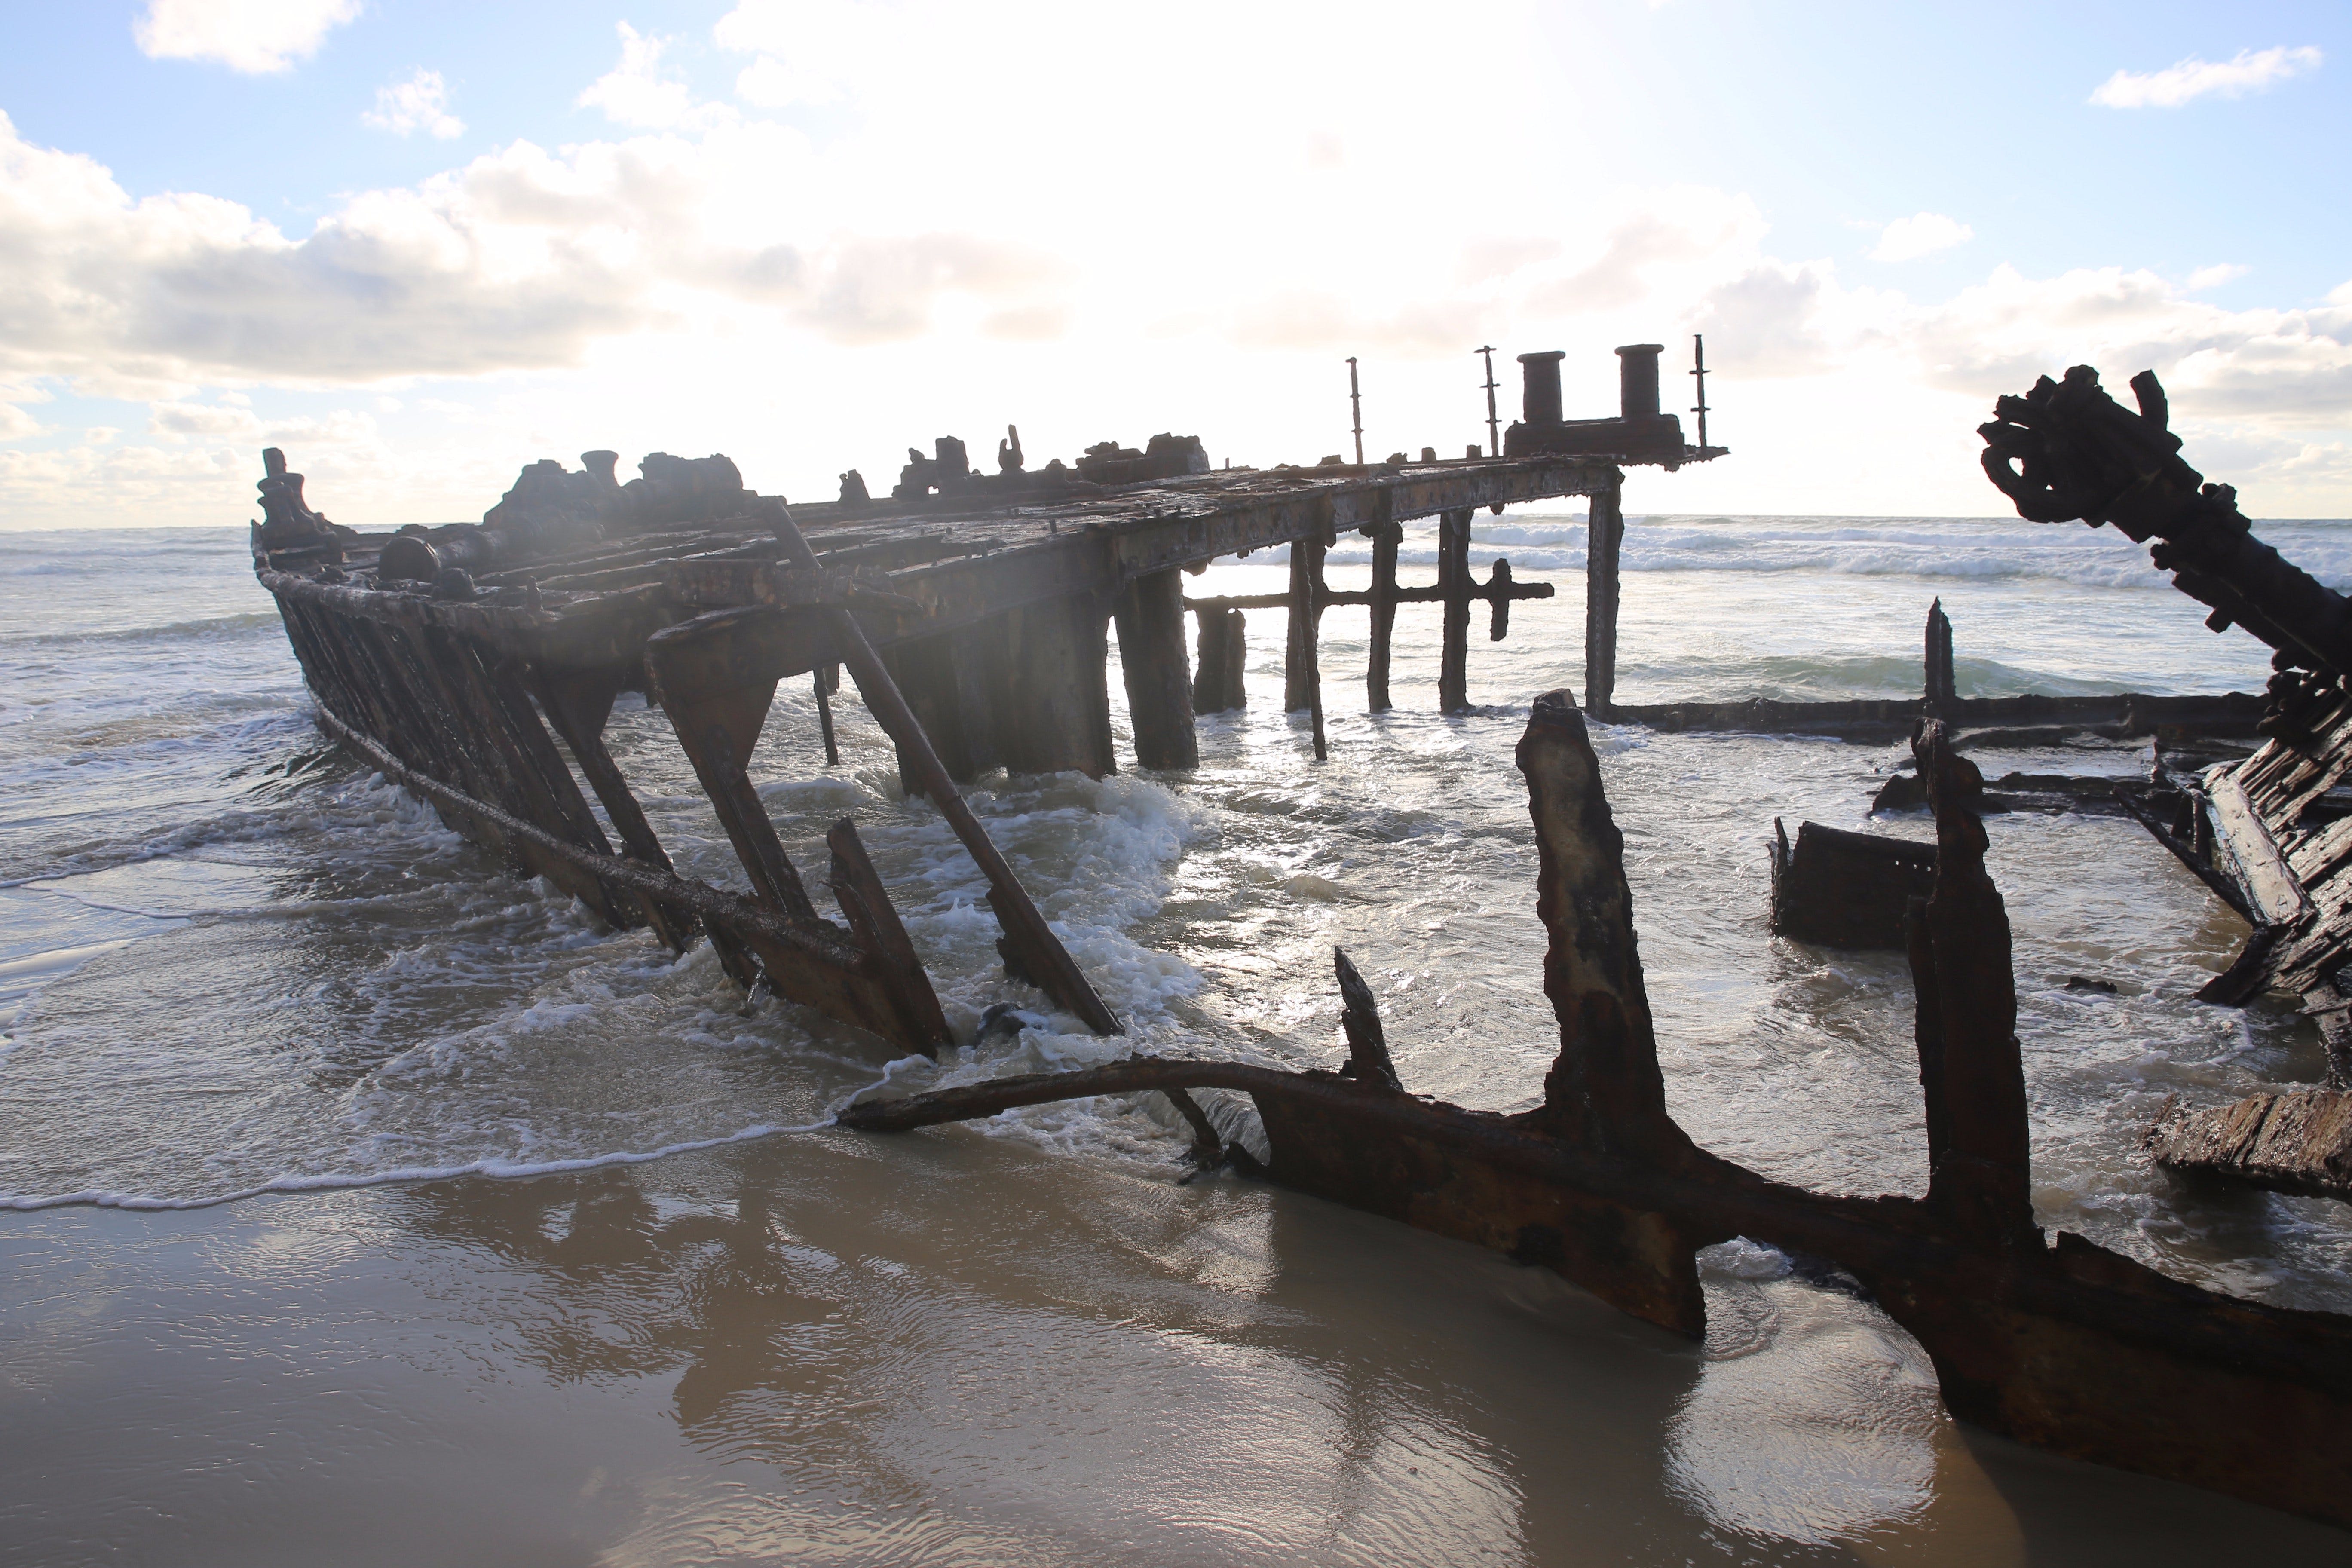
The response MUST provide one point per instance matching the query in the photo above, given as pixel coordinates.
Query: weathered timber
(1847, 890)
(1971, 1068)
(1455, 588)
(1498, 597)
(1031, 950)
(812, 961)
(944, 679)
(1942, 691)
(1302, 664)
(2062, 1346)
(2090, 795)
(1049, 688)
(2244, 846)
(1150, 614)
(2267, 826)
(1497, 594)
(1300, 671)
(1383, 599)
(1359, 1016)
(825, 718)
(2331, 1008)
(2299, 1142)
(2201, 862)
(2124, 716)
(1218, 683)
(1604, 543)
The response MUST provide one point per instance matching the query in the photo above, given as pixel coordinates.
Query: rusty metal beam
(2058, 1343)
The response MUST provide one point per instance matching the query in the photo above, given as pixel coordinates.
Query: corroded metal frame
(2058, 1343)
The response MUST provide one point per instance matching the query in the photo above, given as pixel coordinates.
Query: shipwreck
(476, 665)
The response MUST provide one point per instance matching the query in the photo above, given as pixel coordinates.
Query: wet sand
(948, 1347)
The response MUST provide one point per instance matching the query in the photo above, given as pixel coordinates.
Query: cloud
(1769, 322)
(519, 259)
(808, 50)
(17, 424)
(2282, 369)
(1658, 243)
(169, 419)
(1305, 318)
(419, 103)
(1922, 234)
(636, 93)
(2215, 276)
(2193, 79)
(883, 289)
(256, 37)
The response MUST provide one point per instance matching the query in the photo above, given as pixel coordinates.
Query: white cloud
(770, 83)
(419, 103)
(17, 424)
(809, 50)
(519, 259)
(2215, 276)
(256, 37)
(1922, 234)
(2193, 79)
(636, 93)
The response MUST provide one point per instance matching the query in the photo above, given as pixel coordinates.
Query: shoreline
(807, 1348)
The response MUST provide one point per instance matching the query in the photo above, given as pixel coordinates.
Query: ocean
(427, 1175)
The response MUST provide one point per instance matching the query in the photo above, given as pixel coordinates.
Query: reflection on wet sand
(946, 1348)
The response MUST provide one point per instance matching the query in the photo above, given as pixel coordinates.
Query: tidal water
(351, 1190)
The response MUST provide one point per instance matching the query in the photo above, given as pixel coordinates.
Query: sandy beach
(948, 1348)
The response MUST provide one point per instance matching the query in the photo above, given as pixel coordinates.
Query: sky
(421, 245)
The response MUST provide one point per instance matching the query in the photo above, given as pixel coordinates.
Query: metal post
(1356, 409)
(1494, 425)
(1604, 537)
(1699, 368)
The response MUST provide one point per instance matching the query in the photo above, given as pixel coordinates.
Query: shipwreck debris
(2059, 1344)
(2270, 833)
(2299, 1142)
(478, 663)
(1847, 890)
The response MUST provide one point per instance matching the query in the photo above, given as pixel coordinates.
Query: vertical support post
(1942, 689)
(1494, 424)
(1385, 540)
(938, 677)
(1151, 617)
(1604, 536)
(1356, 409)
(1699, 368)
(1453, 587)
(1604, 1093)
(1971, 1070)
(1302, 672)
(825, 718)
(1220, 687)
(1052, 696)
